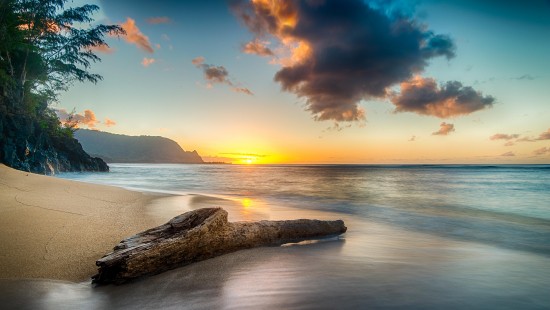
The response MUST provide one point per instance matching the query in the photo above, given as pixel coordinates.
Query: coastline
(374, 265)
(56, 229)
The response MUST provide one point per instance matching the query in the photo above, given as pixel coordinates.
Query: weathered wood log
(199, 235)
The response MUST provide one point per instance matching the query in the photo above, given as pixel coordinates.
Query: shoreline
(56, 229)
(374, 265)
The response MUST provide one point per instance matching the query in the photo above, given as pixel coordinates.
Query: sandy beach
(56, 229)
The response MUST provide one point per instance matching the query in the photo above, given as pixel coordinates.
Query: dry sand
(56, 229)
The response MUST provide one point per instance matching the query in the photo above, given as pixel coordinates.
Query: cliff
(27, 144)
(115, 148)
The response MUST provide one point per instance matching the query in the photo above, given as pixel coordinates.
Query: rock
(200, 235)
(26, 145)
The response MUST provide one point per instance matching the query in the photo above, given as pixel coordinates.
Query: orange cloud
(257, 47)
(444, 129)
(502, 136)
(508, 154)
(159, 20)
(88, 118)
(134, 36)
(146, 62)
(109, 122)
(197, 61)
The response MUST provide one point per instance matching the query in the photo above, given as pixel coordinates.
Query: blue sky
(500, 59)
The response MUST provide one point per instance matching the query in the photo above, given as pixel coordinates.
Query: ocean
(419, 236)
(505, 206)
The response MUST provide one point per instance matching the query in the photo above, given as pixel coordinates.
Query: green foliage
(44, 48)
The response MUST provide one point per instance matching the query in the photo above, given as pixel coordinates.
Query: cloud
(444, 129)
(109, 122)
(159, 20)
(412, 139)
(218, 74)
(246, 155)
(198, 61)
(88, 118)
(526, 139)
(337, 53)
(545, 135)
(502, 136)
(146, 62)
(508, 154)
(542, 151)
(257, 47)
(525, 77)
(424, 96)
(134, 36)
(242, 90)
(509, 143)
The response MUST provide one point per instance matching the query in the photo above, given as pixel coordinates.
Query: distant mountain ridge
(116, 148)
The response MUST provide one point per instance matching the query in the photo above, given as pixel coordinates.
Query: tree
(45, 48)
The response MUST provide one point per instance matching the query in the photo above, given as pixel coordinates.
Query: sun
(248, 161)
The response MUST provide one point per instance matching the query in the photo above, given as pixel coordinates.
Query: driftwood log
(199, 235)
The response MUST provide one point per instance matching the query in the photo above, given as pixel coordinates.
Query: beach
(54, 229)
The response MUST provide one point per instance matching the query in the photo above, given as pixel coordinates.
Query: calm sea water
(507, 206)
(419, 237)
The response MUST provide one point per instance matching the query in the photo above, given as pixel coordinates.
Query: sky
(326, 81)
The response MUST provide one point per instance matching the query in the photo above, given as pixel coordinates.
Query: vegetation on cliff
(44, 48)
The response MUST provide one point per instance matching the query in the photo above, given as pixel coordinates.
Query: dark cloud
(502, 136)
(257, 47)
(218, 74)
(424, 96)
(215, 74)
(341, 52)
(444, 129)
